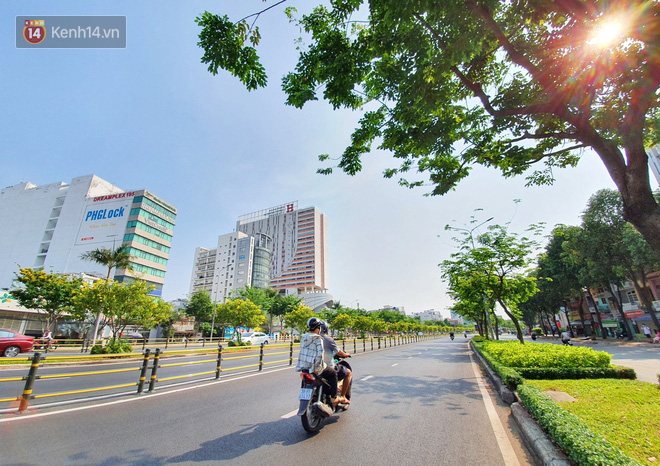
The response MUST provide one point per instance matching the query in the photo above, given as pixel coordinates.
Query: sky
(151, 116)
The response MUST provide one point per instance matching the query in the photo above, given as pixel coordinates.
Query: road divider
(150, 364)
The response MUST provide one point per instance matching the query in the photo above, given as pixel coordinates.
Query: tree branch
(259, 12)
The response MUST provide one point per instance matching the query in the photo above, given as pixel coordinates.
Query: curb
(540, 446)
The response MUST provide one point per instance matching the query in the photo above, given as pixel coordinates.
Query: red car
(12, 343)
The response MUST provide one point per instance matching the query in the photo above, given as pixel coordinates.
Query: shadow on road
(232, 446)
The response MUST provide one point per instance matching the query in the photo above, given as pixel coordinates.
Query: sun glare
(606, 33)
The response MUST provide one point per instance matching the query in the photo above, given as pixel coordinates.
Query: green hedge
(515, 354)
(554, 373)
(510, 377)
(579, 442)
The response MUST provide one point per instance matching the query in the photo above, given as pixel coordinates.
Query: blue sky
(151, 116)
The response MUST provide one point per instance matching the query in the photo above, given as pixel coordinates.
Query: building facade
(237, 261)
(284, 243)
(51, 226)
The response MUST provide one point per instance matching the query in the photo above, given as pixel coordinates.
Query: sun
(606, 33)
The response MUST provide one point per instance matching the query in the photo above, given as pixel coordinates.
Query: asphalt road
(421, 403)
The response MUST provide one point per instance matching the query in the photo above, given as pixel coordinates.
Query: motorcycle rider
(451, 335)
(311, 358)
(330, 350)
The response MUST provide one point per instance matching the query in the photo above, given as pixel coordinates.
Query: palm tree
(111, 258)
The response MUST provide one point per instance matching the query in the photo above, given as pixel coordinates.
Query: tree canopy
(448, 85)
(47, 293)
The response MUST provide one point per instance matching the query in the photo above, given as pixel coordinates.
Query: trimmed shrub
(515, 354)
(510, 377)
(239, 343)
(554, 373)
(579, 442)
(112, 347)
(478, 339)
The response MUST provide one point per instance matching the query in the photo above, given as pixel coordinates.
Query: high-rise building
(51, 226)
(296, 240)
(300, 243)
(238, 260)
(654, 162)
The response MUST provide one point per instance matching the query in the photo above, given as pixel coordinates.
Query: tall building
(297, 241)
(237, 260)
(654, 162)
(51, 226)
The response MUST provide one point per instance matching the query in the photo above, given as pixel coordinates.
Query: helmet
(324, 327)
(313, 323)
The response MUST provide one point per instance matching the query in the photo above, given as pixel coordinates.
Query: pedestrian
(647, 331)
(657, 337)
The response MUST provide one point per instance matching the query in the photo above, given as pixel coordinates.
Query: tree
(240, 313)
(111, 258)
(449, 85)
(617, 249)
(282, 305)
(342, 322)
(47, 293)
(497, 269)
(200, 307)
(297, 318)
(264, 298)
(124, 304)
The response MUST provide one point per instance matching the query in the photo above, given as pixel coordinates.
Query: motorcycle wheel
(52, 347)
(311, 421)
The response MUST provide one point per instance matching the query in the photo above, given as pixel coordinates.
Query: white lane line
(290, 415)
(364, 379)
(508, 454)
(395, 364)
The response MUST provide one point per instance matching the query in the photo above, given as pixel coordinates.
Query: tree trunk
(581, 314)
(514, 319)
(568, 319)
(600, 320)
(617, 298)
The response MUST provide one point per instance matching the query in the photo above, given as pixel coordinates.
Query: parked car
(255, 338)
(12, 343)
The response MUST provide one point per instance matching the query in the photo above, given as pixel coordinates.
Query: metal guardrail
(155, 363)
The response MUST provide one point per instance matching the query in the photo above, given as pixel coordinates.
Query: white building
(51, 226)
(297, 242)
(238, 260)
(429, 314)
(654, 162)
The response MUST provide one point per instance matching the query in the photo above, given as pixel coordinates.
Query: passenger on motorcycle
(311, 358)
(330, 349)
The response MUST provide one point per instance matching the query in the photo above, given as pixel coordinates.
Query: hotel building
(297, 241)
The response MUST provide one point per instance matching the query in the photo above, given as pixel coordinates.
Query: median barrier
(154, 364)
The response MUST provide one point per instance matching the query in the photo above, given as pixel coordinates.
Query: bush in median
(579, 442)
(514, 354)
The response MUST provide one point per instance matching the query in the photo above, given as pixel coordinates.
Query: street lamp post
(469, 231)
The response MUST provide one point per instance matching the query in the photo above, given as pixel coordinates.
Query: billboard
(104, 221)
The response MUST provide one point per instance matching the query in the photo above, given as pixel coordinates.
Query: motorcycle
(45, 344)
(451, 335)
(315, 403)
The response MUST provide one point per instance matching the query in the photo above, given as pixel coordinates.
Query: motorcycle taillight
(307, 377)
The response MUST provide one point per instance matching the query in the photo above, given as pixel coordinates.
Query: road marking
(364, 379)
(290, 415)
(395, 364)
(508, 454)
